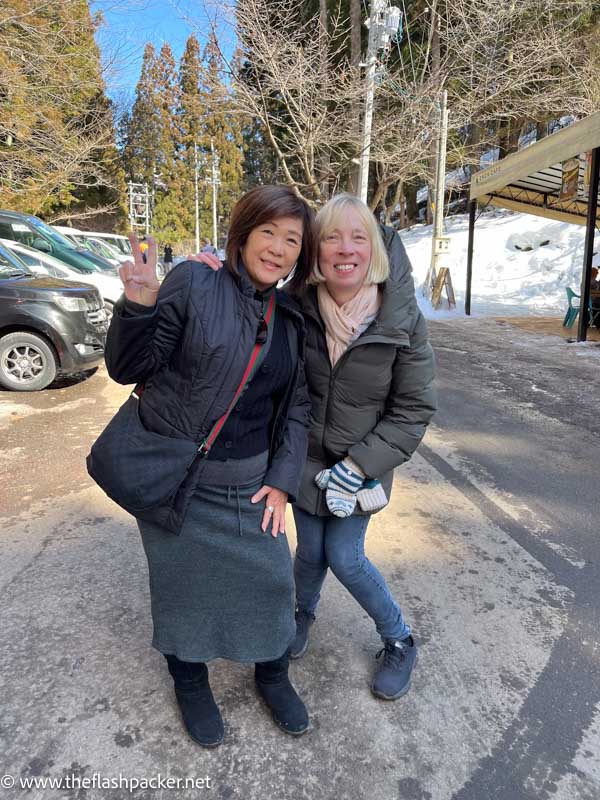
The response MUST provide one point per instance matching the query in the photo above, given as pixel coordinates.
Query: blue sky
(129, 24)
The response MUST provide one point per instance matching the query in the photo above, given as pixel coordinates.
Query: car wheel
(27, 362)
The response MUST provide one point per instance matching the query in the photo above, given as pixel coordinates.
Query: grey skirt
(221, 588)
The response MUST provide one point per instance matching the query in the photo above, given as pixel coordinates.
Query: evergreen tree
(169, 199)
(167, 99)
(143, 135)
(57, 147)
(221, 127)
(189, 122)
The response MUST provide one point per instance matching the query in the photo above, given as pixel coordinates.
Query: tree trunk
(541, 130)
(355, 54)
(510, 133)
(410, 203)
(391, 207)
(324, 161)
(473, 149)
(355, 32)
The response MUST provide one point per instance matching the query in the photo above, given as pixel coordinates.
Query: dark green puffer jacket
(375, 404)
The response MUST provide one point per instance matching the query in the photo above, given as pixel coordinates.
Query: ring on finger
(270, 509)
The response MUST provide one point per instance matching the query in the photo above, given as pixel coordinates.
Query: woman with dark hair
(222, 586)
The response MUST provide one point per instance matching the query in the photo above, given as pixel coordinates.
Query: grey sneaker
(304, 619)
(392, 679)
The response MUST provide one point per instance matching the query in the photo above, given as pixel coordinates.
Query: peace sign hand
(138, 276)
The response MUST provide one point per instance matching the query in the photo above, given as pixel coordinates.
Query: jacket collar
(249, 291)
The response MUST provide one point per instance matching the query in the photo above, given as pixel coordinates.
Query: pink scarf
(343, 323)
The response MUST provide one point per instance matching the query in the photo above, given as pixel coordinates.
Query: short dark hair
(265, 203)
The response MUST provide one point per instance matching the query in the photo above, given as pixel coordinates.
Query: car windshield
(122, 245)
(11, 264)
(96, 247)
(106, 249)
(51, 233)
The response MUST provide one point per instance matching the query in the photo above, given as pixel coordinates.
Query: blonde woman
(370, 370)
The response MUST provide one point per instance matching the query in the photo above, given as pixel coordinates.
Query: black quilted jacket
(190, 352)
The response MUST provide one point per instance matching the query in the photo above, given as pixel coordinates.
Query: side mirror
(42, 245)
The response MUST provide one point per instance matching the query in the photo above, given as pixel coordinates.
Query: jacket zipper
(334, 370)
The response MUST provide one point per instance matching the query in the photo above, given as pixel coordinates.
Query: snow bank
(521, 264)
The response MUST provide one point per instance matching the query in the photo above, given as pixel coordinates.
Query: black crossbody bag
(147, 473)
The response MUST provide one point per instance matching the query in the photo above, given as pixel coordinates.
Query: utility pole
(440, 244)
(147, 195)
(215, 182)
(365, 151)
(383, 23)
(196, 211)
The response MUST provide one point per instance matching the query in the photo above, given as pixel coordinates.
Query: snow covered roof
(534, 180)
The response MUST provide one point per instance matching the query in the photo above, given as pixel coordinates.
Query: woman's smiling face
(271, 250)
(345, 255)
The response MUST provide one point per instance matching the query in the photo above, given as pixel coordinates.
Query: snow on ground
(507, 280)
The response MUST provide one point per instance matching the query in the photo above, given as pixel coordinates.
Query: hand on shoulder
(207, 258)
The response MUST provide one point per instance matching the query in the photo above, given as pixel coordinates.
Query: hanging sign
(570, 178)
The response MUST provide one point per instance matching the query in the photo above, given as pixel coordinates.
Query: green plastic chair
(572, 311)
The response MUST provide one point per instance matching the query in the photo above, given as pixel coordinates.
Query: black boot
(274, 686)
(201, 715)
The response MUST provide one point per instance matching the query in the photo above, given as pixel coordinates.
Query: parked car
(110, 286)
(109, 245)
(116, 240)
(33, 232)
(102, 248)
(47, 326)
(89, 242)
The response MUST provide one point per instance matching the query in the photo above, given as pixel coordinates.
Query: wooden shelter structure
(556, 178)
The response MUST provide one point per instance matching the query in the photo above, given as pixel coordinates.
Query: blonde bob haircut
(332, 215)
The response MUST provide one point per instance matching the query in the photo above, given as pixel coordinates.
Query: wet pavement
(490, 545)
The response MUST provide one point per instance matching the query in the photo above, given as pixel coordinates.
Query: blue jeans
(339, 544)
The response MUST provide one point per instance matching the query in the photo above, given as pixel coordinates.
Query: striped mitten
(322, 478)
(371, 496)
(345, 480)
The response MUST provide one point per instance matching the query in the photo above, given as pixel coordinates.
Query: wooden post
(586, 276)
(472, 211)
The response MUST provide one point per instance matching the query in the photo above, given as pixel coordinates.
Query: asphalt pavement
(490, 544)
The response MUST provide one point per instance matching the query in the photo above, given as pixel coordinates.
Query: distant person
(208, 247)
(168, 258)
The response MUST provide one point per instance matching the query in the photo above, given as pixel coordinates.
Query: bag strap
(257, 351)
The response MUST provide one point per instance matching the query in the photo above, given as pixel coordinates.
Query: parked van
(121, 243)
(110, 286)
(115, 240)
(47, 326)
